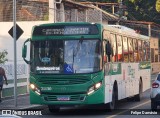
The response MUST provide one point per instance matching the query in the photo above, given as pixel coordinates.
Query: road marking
(129, 109)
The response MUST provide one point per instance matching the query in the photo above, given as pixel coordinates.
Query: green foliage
(3, 58)
(97, 0)
(158, 5)
(142, 10)
(46, 17)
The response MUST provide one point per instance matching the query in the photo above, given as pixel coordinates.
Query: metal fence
(75, 15)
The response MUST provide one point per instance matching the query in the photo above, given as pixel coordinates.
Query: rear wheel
(153, 106)
(53, 109)
(139, 96)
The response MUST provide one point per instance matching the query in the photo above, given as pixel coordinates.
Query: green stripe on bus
(115, 69)
(144, 65)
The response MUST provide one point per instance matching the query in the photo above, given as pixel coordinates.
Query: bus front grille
(70, 98)
(62, 81)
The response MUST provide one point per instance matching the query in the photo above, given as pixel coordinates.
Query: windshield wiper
(78, 46)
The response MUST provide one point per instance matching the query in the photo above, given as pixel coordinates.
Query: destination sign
(65, 30)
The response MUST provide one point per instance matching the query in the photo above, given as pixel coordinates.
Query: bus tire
(139, 95)
(111, 105)
(53, 109)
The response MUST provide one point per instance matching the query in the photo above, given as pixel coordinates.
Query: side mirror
(24, 51)
(108, 49)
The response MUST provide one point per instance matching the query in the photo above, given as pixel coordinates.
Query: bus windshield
(65, 57)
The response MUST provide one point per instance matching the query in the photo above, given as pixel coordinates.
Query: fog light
(91, 90)
(37, 91)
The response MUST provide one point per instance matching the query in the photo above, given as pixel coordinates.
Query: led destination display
(65, 30)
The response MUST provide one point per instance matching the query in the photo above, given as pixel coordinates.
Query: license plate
(63, 98)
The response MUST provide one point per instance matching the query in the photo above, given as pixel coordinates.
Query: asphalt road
(125, 108)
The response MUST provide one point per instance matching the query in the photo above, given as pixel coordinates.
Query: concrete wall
(6, 43)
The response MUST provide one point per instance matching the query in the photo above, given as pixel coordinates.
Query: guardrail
(22, 79)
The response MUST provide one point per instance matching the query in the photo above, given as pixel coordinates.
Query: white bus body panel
(127, 80)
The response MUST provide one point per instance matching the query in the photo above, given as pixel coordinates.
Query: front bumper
(75, 99)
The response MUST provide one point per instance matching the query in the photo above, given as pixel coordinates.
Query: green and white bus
(80, 63)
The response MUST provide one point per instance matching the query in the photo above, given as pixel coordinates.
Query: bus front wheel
(111, 105)
(53, 109)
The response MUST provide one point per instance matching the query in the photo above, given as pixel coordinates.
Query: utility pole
(149, 30)
(120, 9)
(120, 12)
(52, 10)
(15, 54)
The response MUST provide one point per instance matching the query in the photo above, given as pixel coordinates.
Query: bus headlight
(98, 85)
(94, 87)
(35, 89)
(32, 86)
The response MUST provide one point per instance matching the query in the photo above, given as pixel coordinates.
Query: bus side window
(140, 50)
(135, 47)
(125, 49)
(119, 48)
(147, 45)
(114, 48)
(144, 51)
(107, 46)
(130, 47)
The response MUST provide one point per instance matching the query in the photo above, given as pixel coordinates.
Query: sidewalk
(22, 103)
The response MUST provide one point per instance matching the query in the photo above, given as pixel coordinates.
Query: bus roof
(125, 31)
(112, 28)
(65, 23)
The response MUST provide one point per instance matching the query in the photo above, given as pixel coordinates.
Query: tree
(3, 57)
(97, 0)
(143, 10)
(158, 5)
